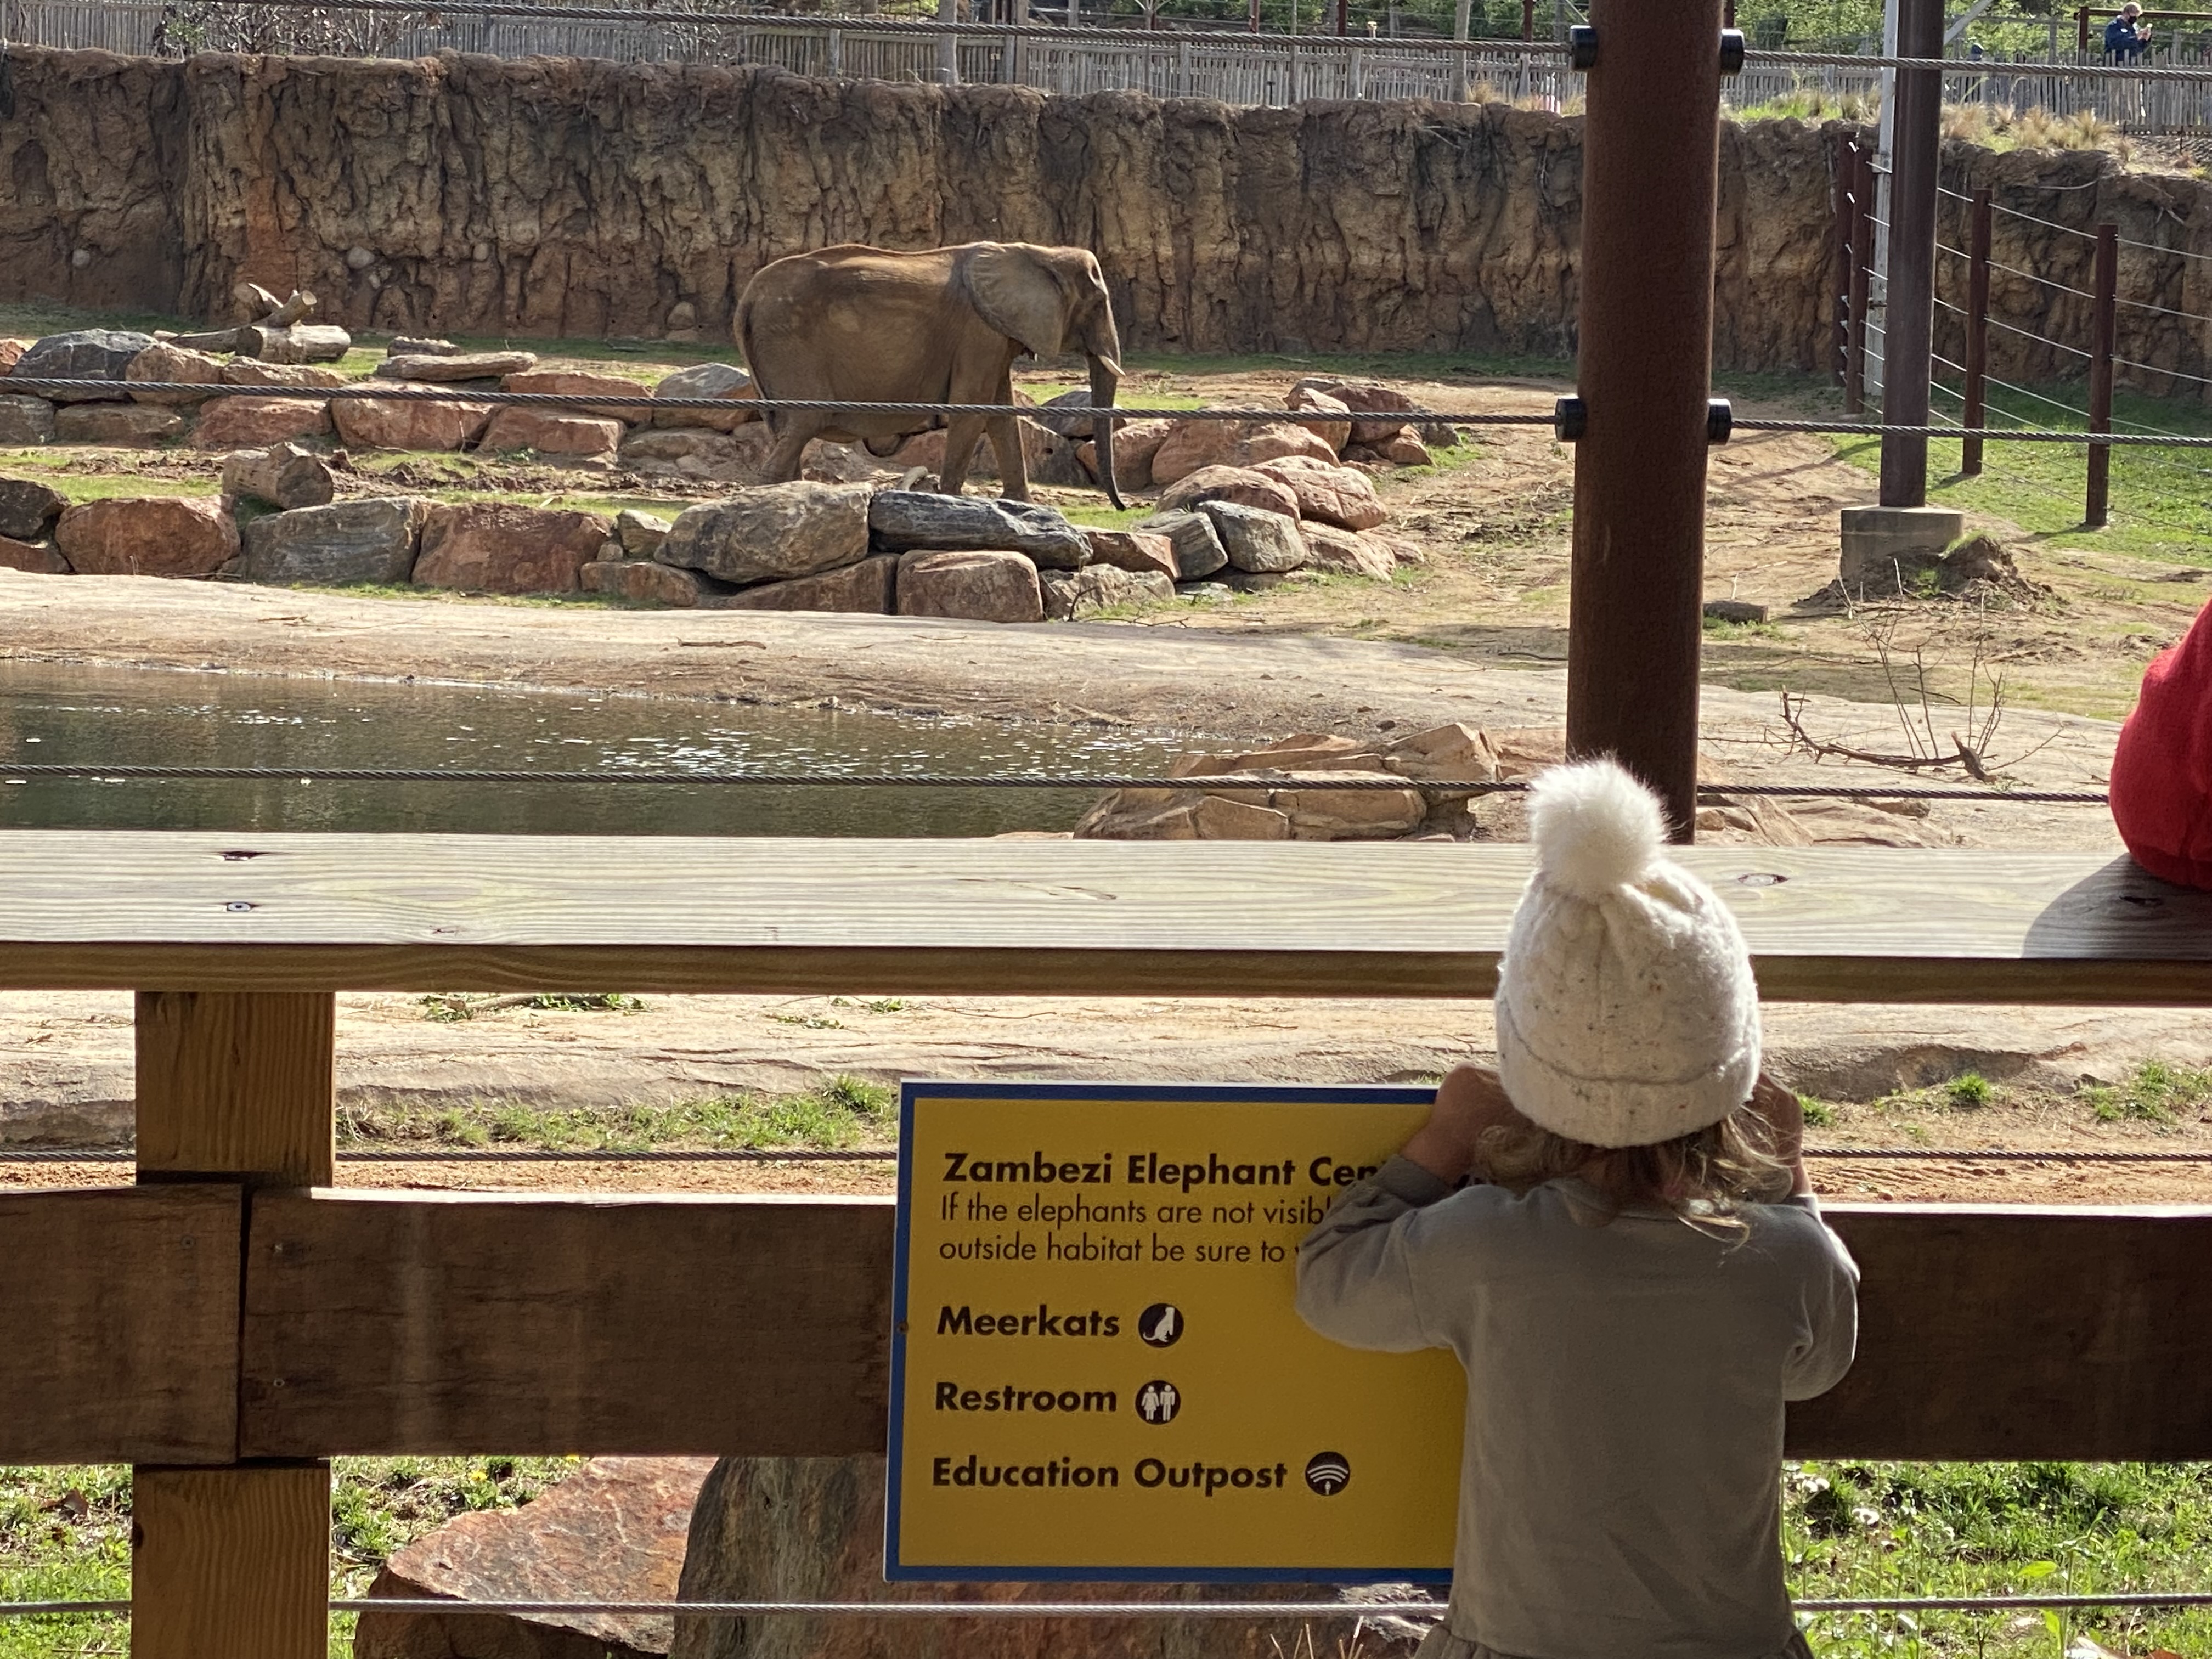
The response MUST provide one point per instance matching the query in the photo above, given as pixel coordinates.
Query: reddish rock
(1407, 450)
(1346, 552)
(1276, 438)
(561, 382)
(36, 557)
(148, 536)
(613, 1531)
(644, 582)
(252, 371)
(1336, 433)
(382, 423)
(456, 366)
(1140, 550)
(707, 381)
(164, 362)
(550, 432)
(1134, 447)
(257, 423)
(115, 424)
(9, 351)
(1190, 446)
(1231, 484)
(1363, 397)
(995, 588)
(1341, 496)
(493, 547)
(870, 587)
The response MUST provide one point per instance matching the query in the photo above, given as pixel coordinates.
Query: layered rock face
(565, 197)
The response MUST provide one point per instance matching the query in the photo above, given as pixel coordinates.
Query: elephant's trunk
(1103, 380)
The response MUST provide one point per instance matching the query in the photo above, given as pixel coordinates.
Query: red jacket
(2162, 770)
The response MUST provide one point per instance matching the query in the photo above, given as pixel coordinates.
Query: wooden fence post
(2098, 510)
(1861, 274)
(1845, 163)
(234, 1559)
(1978, 333)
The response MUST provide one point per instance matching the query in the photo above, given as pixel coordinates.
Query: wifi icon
(1328, 1473)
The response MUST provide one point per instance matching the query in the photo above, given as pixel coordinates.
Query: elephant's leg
(1013, 468)
(960, 432)
(789, 451)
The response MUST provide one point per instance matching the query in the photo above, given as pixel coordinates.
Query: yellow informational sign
(1099, 1371)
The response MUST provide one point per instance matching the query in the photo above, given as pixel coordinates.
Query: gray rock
(404, 345)
(705, 380)
(27, 508)
(870, 587)
(640, 533)
(900, 520)
(84, 353)
(1735, 611)
(1257, 541)
(115, 424)
(25, 420)
(772, 532)
(1047, 414)
(1205, 592)
(1199, 552)
(1071, 595)
(368, 541)
(461, 367)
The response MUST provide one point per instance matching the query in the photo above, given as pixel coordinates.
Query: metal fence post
(1862, 276)
(2098, 510)
(1651, 134)
(1843, 161)
(1978, 333)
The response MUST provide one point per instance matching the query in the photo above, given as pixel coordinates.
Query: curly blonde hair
(1705, 1178)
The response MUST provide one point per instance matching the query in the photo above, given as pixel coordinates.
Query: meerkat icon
(1160, 1325)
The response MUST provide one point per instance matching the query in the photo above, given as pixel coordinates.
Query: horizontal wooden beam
(119, 1325)
(431, 1323)
(324, 913)
(411, 1324)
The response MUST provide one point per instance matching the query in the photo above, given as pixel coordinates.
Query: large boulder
(1134, 447)
(1272, 440)
(1231, 483)
(1071, 595)
(1304, 399)
(640, 533)
(1341, 496)
(252, 371)
(494, 547)
(705, 381)
(162, 362)
(457, 366)
(772, 532)
(811, 1529)
(115, 424)
(870, 587)
(148, 536)
(1373, 398)
(25, 420)
(1198, 550)
(551, 431)
(978, 585)
(563, 381)
(1190, 446)
(37, 558)
(1257, 541)
(613, 1531)
(364, 541)
(387, 423)
(28, 508)
(1146, 551)
(256, 423)
(1346, 552)
(643, 582)
(12, 352)
(1180, 814)
(85, 353)
(900, 520)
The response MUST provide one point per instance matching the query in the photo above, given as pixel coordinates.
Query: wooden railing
(232, 1321)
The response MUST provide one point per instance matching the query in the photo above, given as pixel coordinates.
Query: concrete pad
(1881, 540)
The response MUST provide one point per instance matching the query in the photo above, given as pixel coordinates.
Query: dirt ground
(1476, 632)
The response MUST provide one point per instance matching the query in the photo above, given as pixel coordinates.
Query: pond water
(148, 717)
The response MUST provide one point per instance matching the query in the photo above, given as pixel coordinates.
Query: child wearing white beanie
(1634, 1274)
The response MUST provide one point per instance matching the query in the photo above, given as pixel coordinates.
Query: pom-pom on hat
(1626, 1012)
(2162, 769)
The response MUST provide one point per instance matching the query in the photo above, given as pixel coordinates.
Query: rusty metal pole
(1909, 292)
(1863, 240)
(1978, 333)
(2107, 283)
(1651, 137)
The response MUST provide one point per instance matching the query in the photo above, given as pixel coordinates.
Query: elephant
(866, 325)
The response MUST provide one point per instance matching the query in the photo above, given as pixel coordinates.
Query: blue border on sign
(910, 1090)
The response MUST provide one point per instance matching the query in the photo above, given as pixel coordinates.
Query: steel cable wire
(864, 1155)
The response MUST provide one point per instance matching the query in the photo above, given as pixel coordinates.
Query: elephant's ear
(1018, 295)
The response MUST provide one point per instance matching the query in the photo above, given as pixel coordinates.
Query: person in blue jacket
(2127, 35)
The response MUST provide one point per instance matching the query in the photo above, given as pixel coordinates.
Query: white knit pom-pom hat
(1626, 1010)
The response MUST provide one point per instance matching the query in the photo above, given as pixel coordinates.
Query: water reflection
(127, 716)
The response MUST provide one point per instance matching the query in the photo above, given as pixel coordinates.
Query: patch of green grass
(1889, 1530)
(1969, 1092)
(1818, 1114)
(842, 1112)
(1717, 629)
(64, 1536)
(2156, 1093)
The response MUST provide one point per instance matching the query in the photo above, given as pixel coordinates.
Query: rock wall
(556, 196)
